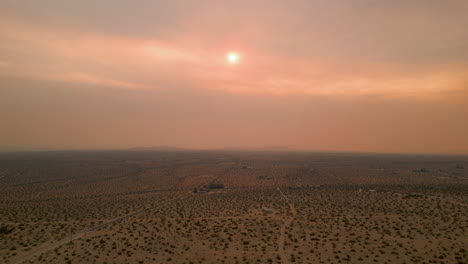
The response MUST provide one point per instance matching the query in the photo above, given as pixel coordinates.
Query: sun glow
(232, 57)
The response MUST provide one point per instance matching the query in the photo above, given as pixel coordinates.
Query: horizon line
(235, 149)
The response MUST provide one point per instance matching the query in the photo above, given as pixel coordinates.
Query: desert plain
(232, 207)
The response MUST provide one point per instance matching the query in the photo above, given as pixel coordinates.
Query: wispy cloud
(340, 64)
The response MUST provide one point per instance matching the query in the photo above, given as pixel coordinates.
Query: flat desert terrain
(232, 207)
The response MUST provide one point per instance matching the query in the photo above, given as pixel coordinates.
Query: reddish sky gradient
(355, 75)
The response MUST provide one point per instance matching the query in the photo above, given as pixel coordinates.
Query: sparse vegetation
(325, 209)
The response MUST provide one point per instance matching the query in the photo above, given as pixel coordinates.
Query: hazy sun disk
(232, 57)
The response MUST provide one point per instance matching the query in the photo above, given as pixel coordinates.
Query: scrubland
(139, 207)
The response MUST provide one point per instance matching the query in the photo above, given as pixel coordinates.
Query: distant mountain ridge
(277, 148)
(266, 148)
(155, 148)
(174, 148)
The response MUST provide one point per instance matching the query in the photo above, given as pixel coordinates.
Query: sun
(232, 57)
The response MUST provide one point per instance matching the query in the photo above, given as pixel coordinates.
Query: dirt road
(286, 223)
(52, 245)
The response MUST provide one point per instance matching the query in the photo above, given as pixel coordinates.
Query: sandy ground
(141, 208)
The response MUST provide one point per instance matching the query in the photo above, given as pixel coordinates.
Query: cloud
(320, 74)
(152, 63)
(311, 48)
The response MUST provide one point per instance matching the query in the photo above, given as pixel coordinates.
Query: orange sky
(357, 75)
